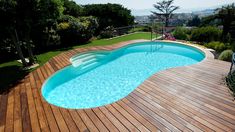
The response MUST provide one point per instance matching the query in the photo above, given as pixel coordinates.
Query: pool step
(90, 65)
(84, 55)
(87, 56)
(83, 60)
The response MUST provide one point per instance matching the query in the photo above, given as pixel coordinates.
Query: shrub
(206, 34)
(76, 30)
(218, 46)
(230, 80)
(108, 32)
(226, 55)
(181, 33)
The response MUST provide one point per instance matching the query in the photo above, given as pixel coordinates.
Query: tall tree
(224, 16)
(48, 14)
(227, 16)
(22, 21)
(26, 10)
(165, 10)
(72, 8)
(195, 21)
(109, 15)
(8, 28)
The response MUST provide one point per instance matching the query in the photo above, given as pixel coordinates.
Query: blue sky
(146, 4)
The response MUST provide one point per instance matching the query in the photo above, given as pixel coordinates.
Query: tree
(195, 21)
(23, 22)
(227, 16)
(72, 9)
(8, 26)
(76, 30)
(165, 10)
(109, 15)
(224, 16)
(49, 12)
(25, 11)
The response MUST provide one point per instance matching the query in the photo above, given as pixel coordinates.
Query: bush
(108, 32)
(76, 30)
(226, 55)
(230, 80)
(181, 33)
(217, 46)
(206, 34)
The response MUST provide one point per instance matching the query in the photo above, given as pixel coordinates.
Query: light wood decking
(191, 98)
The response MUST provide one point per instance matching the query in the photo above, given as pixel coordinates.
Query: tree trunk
(225, 32)
(29, 48)
(167, 21)
(18, 48)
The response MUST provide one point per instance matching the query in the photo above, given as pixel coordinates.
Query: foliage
(181, 33)
(224, 16)
(195, 22)
(165, 10)
(109, 15)
(45, 32)
(206, 34)
(72, 9)
(227, 16)
(108, 32)
(218, 46)
(76, 30)
(26, 21)
(226, 55)
(230, 80)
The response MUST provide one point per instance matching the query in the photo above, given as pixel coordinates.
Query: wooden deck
(191, 98)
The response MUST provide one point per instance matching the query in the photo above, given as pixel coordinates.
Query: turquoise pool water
(115, 75)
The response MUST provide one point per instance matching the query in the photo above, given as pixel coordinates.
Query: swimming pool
(102, 77)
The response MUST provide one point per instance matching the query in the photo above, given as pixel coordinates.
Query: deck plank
(17, 111)
(10, 112)
(32, 110)
(47, 108)
(3, 111)
(190, 98)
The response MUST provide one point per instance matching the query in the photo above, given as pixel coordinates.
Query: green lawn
(10, 72)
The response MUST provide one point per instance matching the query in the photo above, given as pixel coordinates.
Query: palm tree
(165, 10)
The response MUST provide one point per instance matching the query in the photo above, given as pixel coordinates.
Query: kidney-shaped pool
(98, 78)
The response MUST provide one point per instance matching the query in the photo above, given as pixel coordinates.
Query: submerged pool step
(81, 57)
(87, 56)
(90, 65)
(81, 63)
(84, 60)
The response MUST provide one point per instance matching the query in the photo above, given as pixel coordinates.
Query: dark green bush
(181, 33)
(230, 80)
(108, 32)
(217, 46)
(206, 34)
(226, 55)
(76, 30)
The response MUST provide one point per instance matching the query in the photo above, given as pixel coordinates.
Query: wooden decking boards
(190, 98)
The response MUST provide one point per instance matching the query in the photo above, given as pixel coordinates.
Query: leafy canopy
(165, 10)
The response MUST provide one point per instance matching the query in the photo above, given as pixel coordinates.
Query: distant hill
(198, 11)
(205, 12)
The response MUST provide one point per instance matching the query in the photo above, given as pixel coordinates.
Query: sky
(144, 7)
(146, 4)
